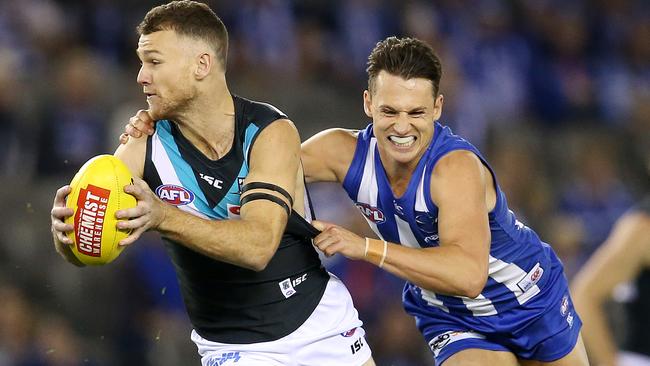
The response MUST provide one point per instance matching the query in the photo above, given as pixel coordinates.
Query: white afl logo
(564, 308)
(175, 195)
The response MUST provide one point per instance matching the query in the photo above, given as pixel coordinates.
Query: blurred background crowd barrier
(556, 93)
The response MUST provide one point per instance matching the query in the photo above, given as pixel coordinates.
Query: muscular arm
(459, 265)
(327, 155)
(253, 240)
(625, 252)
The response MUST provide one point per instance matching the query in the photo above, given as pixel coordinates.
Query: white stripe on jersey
(509, 274)
(431, 298)
(420, 204)
(479, 306)
(405, 233)
(167, 173)
(368, 191)
(305, 198)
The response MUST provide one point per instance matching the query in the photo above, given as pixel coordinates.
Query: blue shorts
(530, 331)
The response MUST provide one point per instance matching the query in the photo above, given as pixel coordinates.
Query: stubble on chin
(155, 114)
(158, 112)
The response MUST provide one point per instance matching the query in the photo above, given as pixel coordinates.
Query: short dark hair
(404, 57)
(188, 18)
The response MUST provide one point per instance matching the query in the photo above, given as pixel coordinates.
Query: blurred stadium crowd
(555, 92)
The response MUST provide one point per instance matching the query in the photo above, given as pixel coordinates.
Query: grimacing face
(166, 74)
(403, 114)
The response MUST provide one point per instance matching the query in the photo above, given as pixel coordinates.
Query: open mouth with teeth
(402, 141)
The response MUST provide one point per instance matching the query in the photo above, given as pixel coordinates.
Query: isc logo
(357, 345)
(372, 213)
(175, 195)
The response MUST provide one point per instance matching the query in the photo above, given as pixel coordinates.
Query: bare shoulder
(278, 144)
(347, 134)
(458, 162)
(278, 140)
(283, 124)
(281, 130)
(133, 154)
(345, 140)
(459, 171)
(327, 155)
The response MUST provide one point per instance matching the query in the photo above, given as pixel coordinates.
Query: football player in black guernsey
(223, 185)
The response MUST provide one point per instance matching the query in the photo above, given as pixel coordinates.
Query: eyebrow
(147, 52)
(412, 110)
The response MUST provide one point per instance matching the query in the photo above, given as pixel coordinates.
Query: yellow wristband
(376, 251)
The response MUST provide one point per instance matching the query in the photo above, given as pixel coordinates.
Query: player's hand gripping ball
(97, 192)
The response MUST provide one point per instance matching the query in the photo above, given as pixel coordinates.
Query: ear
(204, 64)
(437, 107)
(367, 103)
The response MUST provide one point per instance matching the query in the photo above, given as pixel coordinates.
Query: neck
(209, 122)
(398, 174)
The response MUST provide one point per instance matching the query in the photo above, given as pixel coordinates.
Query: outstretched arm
(249, 242)
(620, 259)
(327, 155)
(459, 265)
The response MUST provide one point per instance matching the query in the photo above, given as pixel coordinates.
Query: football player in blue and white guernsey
(482, 286)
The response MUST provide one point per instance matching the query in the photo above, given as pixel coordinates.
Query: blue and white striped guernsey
(521, 266)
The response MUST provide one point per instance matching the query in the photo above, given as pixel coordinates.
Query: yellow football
(97, 192)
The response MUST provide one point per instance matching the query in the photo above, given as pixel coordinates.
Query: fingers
(144, 116)
(61, 193)
(130, 129)
(62, 237)
(322, 225)
(135, 235)
(144, 122)
(132, 224)
(329, 245)
(132, 213)
(140, 183)
(60, 226)
(141, 123)
(328, 242)
(137, 189)
(335, 239)
(61, 212)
